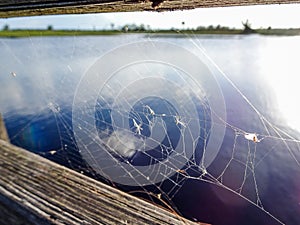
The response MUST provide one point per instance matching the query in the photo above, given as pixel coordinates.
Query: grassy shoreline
(47, 33)
(41, 33)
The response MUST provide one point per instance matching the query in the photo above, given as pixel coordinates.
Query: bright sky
(276, 16)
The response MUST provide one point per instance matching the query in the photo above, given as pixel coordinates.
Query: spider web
(158, 120)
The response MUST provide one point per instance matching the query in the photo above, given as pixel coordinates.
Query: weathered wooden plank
(39, 191)
(13, 8)
(3, 132)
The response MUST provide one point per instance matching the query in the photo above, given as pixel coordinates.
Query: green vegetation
(132, 28)
(282, 32)
(49, 32)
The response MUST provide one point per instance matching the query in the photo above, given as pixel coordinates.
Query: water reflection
(280, 71)
(39, 77)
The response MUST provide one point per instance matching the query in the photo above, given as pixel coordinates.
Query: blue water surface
(37, 108)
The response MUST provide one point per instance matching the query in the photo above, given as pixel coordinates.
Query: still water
(109, 105)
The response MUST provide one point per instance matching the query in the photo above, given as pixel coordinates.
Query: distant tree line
(141, 28)
(134, 27)
(211, 27)
(6, 27)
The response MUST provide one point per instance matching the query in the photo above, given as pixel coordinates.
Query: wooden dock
(34, 190)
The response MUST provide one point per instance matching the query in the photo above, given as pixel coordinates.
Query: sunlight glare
(281, 71)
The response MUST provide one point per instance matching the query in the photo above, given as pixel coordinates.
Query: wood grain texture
(3, 132)
(38, 191)
(15, 8)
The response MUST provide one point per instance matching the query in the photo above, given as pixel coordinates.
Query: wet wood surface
(13, 8)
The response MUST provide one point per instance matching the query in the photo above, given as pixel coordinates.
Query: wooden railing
(9, 8)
